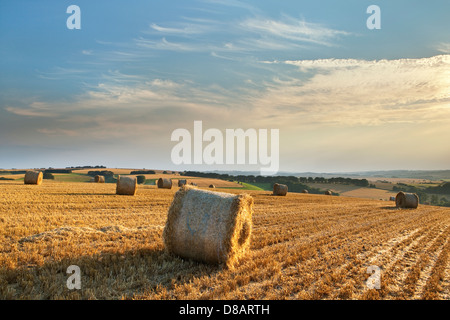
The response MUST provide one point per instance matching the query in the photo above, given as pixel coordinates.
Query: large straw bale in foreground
(126, 185)
(207, 226)
(99, 179)
(406, 200)
(33, 177)
(280, 189)
(164, 183)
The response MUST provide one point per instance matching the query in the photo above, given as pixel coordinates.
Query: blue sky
(345, 98)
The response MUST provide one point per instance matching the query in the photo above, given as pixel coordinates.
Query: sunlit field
(303, 246)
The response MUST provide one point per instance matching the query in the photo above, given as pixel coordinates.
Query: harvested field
(370, 193)
(303, 246)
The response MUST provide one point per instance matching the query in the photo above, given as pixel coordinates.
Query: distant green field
(151, 182)
(248, 186)
(262, 186)
(72, 177)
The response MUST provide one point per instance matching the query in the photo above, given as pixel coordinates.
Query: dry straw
(99, 179)
(164, 183)
(280, 189)
(33, 177)
(208, 226)
(126, 186)
(406, 200)
(181, 182)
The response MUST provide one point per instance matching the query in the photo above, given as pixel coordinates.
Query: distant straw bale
(328, 193)
(126, 185)
(33, 177)
(280, 189)
(99, 179)
(164, 183)
(208, 226)
(181, 182)
(406, 200)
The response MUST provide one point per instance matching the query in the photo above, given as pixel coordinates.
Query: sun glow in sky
(344, 97)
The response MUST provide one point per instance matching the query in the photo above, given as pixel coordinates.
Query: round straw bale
(208, 226)
(305, 191)
(33, 177)
(280, 189)
(164, 183)
(99, 179)
(406, 200)
(212, 186)
(126, 185)
(181, 182)
(328, 193)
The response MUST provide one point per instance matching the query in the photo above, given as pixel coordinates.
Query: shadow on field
(390, 208)
(141, 274)
(89, 194)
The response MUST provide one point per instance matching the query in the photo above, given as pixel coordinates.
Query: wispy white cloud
(293, 30)
(443, 47)
(355, 92)
(29, 112)
(257, 33)
(58, 73)
(184, 29)
(34, 109)
(58, 132)
(120, 77)
(164, 44)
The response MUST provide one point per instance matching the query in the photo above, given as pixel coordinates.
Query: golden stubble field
(303, 246)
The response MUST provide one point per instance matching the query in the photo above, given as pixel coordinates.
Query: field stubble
(303, 246)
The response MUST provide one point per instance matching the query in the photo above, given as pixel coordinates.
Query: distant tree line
(13, 172)
(295, 184)
(105, 173)
(143, 172)
(109, 175)
(87, 167)
(51, 170)
(442, 189)
(277, 179)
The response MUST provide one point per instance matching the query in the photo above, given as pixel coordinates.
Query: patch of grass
(262, 186)
(248, 186)
(151, 182)
(72, 177)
